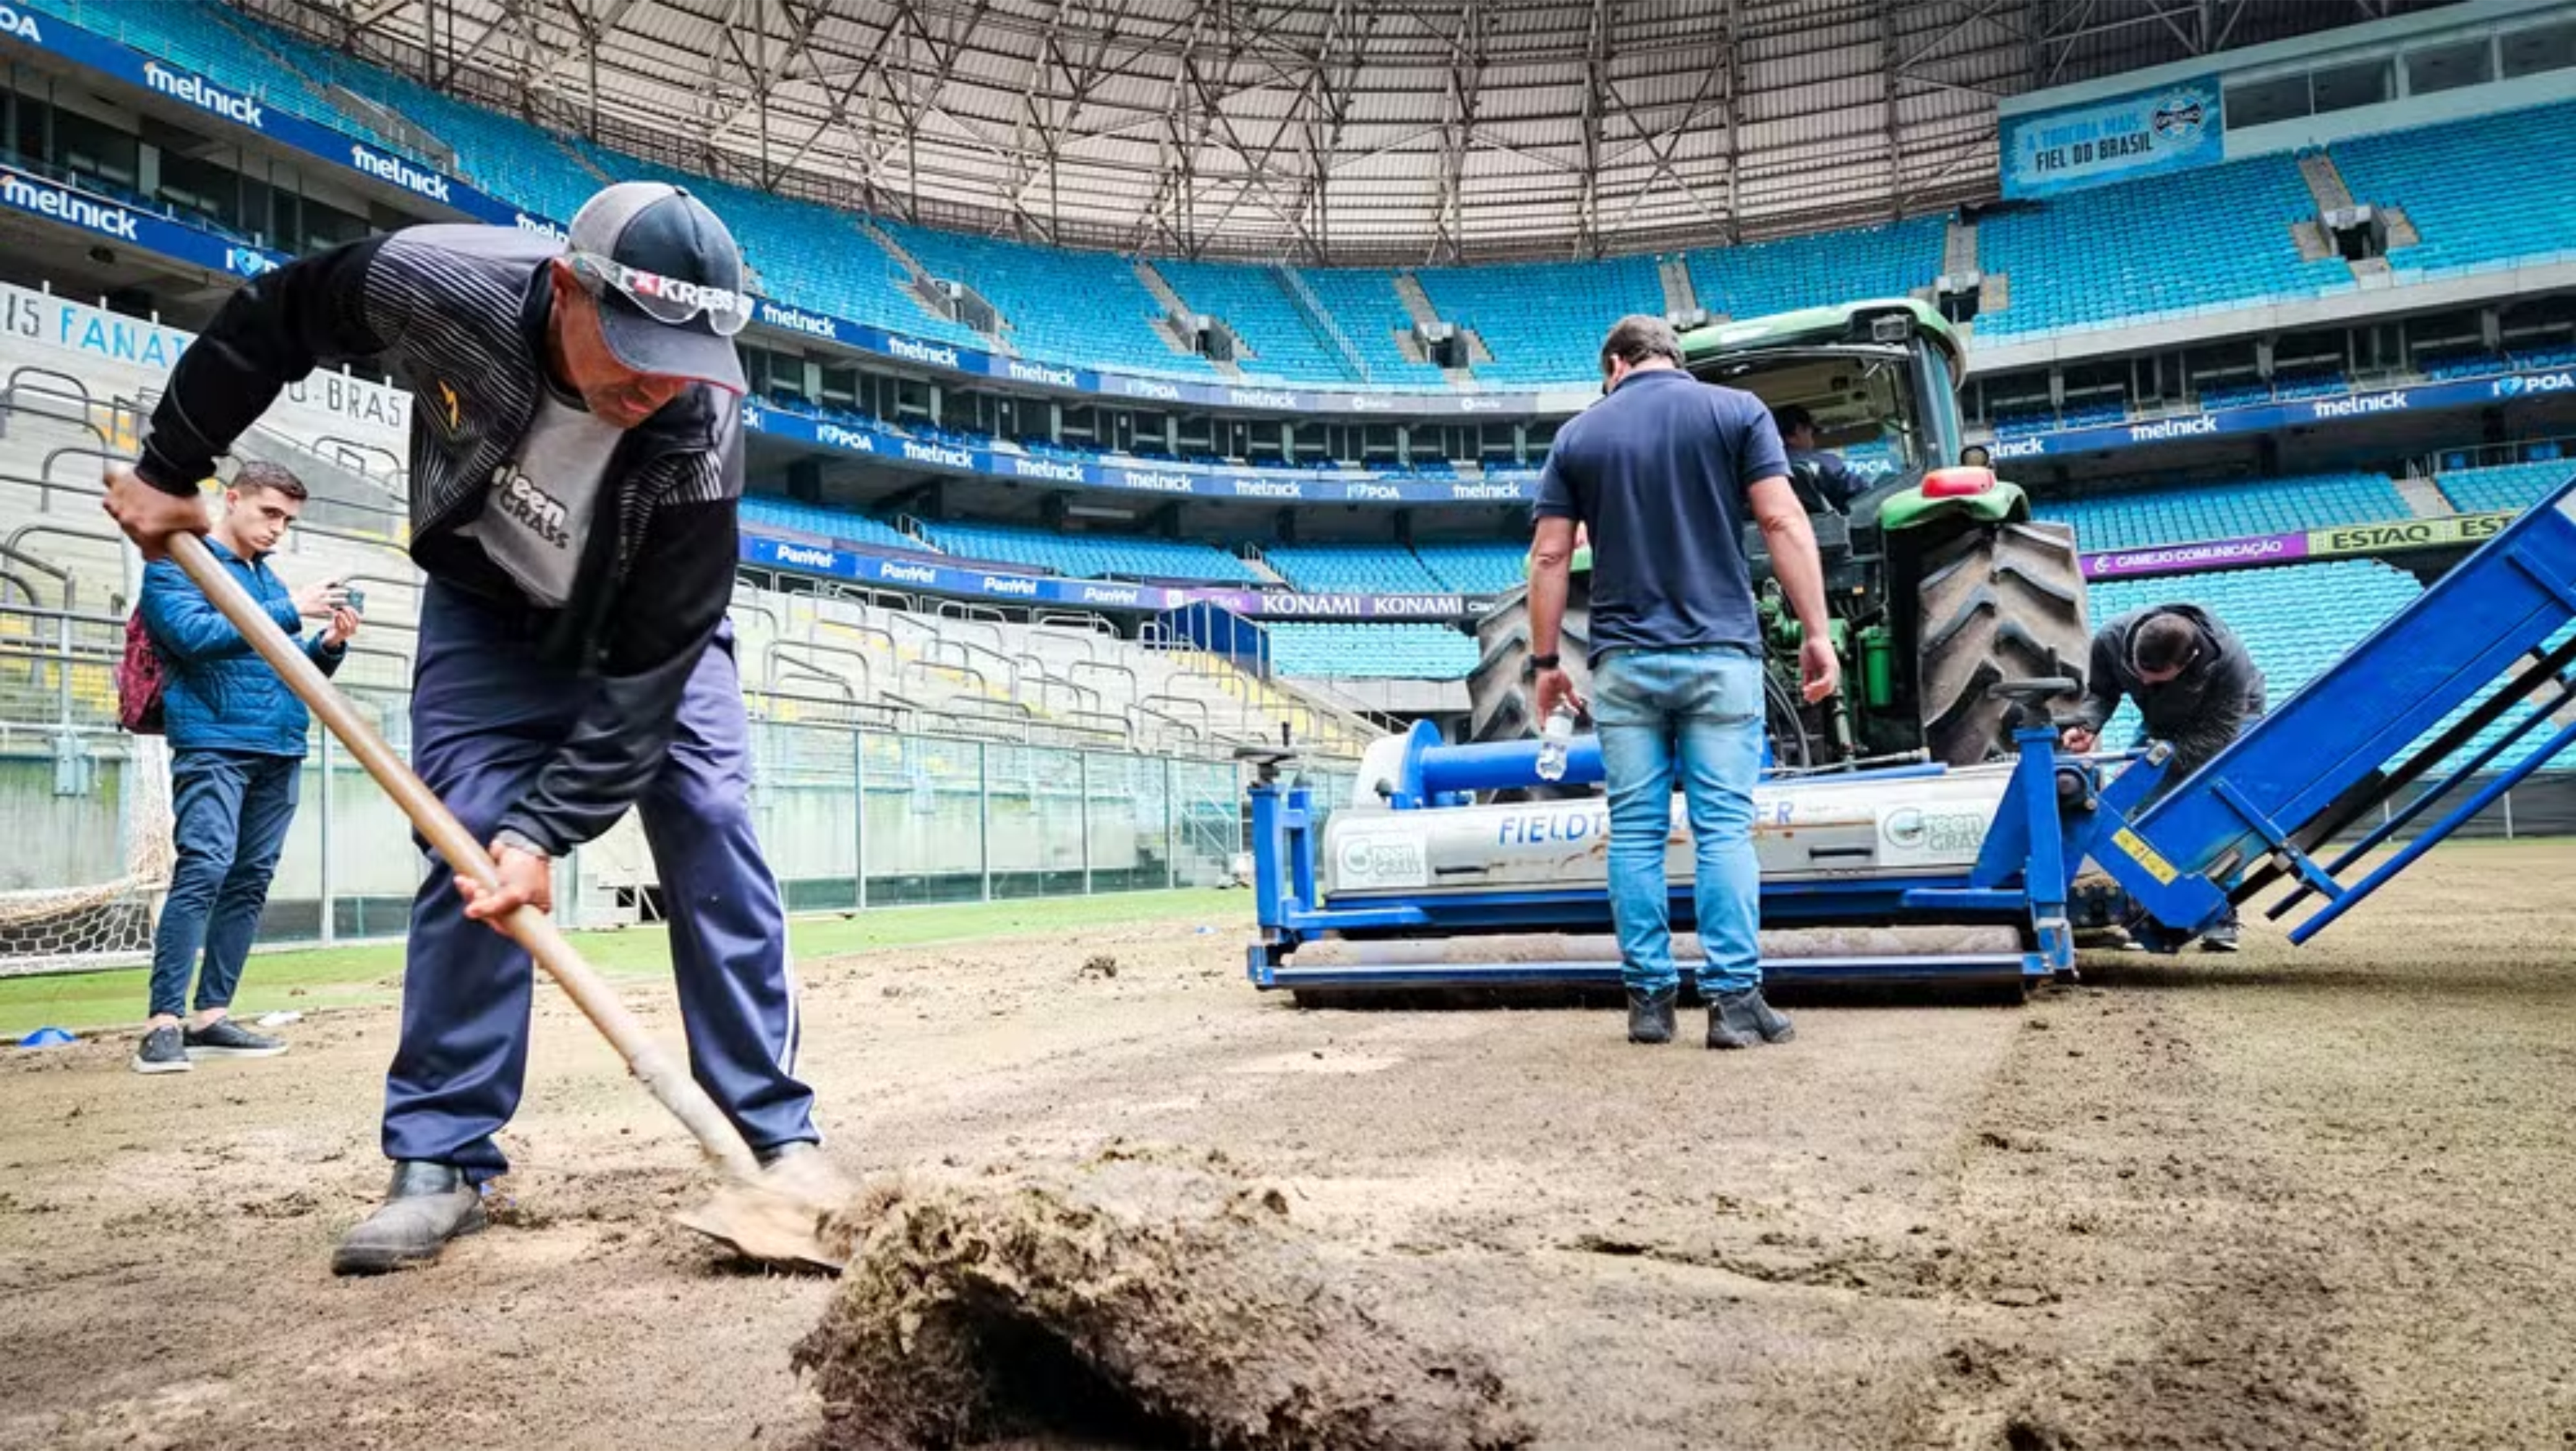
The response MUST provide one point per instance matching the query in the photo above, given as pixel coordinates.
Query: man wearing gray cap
(576, 464)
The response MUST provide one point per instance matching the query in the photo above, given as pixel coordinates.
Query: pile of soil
(1132, 1303)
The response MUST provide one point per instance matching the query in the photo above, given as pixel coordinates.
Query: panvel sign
(2119, 138)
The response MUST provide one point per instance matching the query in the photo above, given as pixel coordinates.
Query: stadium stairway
(2424, 497)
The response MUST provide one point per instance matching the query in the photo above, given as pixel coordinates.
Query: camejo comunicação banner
(188, 88)
(2391, 536)
(968, 579)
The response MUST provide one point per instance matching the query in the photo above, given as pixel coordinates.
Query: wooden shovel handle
(527, 926)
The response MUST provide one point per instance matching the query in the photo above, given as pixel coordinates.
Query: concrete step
(1680, 295)
(1417, 303)
(2325, 182)
(2425, 498)
(1959, 249)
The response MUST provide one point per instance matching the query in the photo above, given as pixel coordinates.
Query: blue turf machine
(1928, 872)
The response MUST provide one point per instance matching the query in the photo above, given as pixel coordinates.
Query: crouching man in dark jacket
(236, 757)
(576, 464)
(2196, 689)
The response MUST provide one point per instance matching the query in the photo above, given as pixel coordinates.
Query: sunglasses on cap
(663, 299)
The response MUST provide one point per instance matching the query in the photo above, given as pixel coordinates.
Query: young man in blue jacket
(236, 753)
(576, 466)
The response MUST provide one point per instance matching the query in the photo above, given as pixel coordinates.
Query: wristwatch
(1536, 663)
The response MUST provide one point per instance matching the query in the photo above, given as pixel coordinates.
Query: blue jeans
(1698, 713)
(230, 812)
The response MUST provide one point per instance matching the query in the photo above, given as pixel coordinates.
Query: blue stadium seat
(1543, 321)
(1083, 307)
(1283, 343)
(846, 525)
(1479, 568)
(1384, 652)
(1825, 270)
(218, 44)
(1364, 304)
(1085, 555)
(1352, 568)
(2446, 179)
(2135, 518)
(2146, 247)
(2505, 486)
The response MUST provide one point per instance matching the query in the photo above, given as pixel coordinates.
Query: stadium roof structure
(1310, 130)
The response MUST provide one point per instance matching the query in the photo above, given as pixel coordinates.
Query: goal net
(111, 865)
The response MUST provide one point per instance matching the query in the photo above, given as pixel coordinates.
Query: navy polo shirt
(1657, 472)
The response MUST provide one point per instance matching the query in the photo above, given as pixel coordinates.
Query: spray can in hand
(1554, 739)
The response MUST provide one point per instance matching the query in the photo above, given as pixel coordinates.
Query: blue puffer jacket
(217, 693)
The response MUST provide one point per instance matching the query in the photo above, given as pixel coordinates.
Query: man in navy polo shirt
(1662, 474)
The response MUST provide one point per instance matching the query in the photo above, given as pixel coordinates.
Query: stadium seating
(2505, 486)
(1363, 302)
(2447, 179)
(1543, 320)
(1382, 652)
(1086, 307)
(844, 525)
(218, 45)
(1089, 554)
(1351, 568)
(1480, 568)
(2133, 519)
(2147, 248)
(1250, 300)
(1815, 271)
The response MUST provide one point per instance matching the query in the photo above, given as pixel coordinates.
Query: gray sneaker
(426, 1206)
(224, 1038)
(161, 1052)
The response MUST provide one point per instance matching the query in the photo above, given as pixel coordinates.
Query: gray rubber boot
(1742, 1019)
(1650, 1016)
(426, 1206)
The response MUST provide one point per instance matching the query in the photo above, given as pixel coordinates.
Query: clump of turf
(1138, 1304)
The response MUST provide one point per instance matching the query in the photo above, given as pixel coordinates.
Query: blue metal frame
(2020, 878)
(2182, 856)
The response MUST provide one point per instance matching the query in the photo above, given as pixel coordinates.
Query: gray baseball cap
(668, 278)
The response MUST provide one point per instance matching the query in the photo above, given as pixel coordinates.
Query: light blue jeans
(1698, 713)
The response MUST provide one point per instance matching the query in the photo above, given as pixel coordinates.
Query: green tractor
(1939, 584)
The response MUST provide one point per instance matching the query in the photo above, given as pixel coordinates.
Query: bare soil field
(2299, 1197)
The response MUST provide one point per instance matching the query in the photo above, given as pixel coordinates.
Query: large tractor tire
(1502, 706)
(2005, 603)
